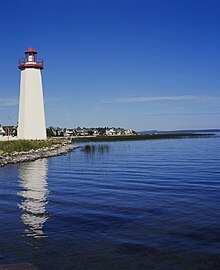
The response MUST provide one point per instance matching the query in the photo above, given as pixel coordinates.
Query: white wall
(31, 121)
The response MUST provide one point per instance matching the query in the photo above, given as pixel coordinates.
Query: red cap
(30, 50)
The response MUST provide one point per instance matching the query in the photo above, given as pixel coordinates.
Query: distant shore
(139, 137)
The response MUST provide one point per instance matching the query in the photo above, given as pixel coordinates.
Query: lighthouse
(31, 119)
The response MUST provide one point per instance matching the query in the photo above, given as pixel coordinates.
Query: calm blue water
(121, 205)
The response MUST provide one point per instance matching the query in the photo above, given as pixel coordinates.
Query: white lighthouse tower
(31, 120)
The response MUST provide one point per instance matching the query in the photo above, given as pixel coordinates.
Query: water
(121, 205)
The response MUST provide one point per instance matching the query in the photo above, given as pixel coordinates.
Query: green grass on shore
(25, 145)
(139, 137)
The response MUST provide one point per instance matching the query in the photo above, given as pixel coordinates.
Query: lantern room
(30, 60)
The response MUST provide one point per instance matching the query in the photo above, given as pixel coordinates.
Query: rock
(32, 155)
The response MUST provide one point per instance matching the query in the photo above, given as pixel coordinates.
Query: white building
(110, 132)
(31, 120)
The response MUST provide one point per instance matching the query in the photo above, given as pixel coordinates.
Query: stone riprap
(17, 157)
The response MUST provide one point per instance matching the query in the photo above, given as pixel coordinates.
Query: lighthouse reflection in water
(33, 181)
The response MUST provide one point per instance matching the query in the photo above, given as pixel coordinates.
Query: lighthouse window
(31, 57)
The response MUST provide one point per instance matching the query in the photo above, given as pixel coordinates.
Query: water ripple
(122, 205)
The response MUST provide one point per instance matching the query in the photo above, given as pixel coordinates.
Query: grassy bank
(25, 145)
(139, 137)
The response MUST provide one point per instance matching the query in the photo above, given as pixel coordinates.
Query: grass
(25, 145)
(139, 137)
(90, 149)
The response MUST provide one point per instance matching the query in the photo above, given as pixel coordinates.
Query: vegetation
(139, 137)
(49, 132)
(25, 145)
(90, 149)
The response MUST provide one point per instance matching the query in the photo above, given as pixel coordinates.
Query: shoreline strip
(18, 157)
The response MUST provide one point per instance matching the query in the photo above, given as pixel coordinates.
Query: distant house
(110, 132)
(95, 132)
(118, 131)
(82, 131)
(69, 132)
(129, 132)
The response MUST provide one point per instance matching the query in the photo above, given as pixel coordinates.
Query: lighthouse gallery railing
(24, 62)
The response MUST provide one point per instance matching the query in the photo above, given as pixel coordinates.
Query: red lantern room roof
(30, 50)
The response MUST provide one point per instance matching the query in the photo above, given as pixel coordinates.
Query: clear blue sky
(140, 64)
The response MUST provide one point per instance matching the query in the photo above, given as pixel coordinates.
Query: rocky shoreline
(18, 157)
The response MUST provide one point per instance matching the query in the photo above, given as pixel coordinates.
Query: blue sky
(140, 64)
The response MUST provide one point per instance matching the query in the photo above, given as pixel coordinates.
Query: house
(69, 132)
(82, 131)
(110, 132)
(95, 132)
(129, 132)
